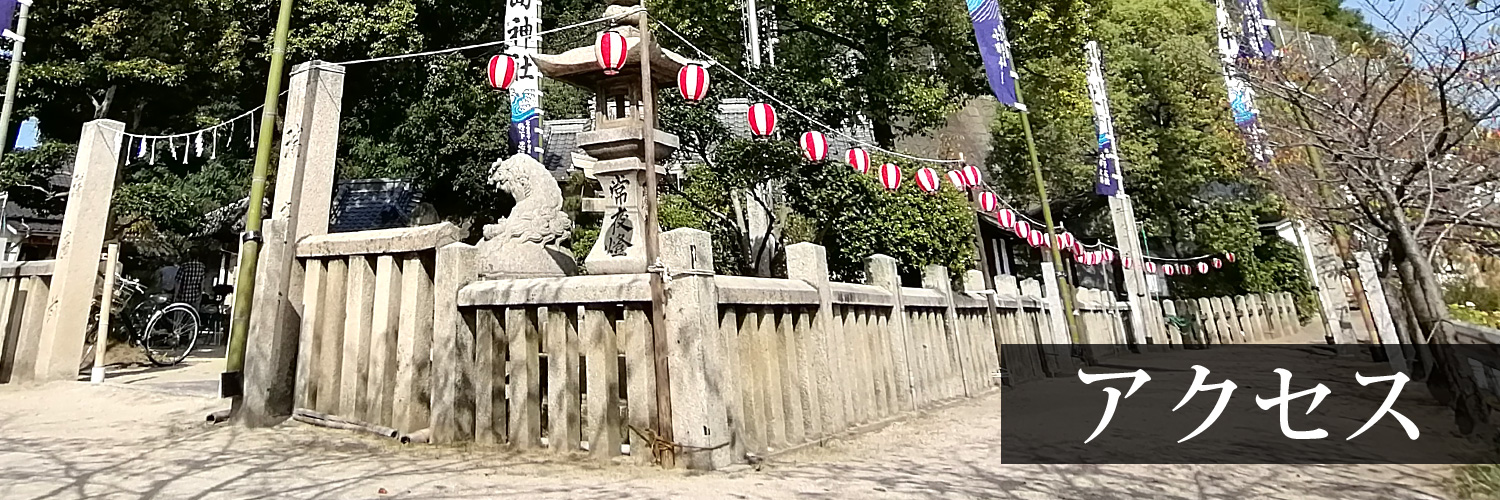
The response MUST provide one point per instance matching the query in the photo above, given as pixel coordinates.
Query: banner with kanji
(994, 49)
(1107, 179)
(523, 18)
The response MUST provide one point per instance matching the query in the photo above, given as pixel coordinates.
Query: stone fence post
(880, 270)
(809, 262)
(935, 277)
(78, 250)
(300, 207)
(697, 352)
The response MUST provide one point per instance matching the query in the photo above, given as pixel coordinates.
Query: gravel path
(73, 440)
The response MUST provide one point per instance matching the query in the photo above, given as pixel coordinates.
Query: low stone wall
(756, 366)
(24, 287)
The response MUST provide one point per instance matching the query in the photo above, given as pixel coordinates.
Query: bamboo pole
(1065, 287)
(231, 384)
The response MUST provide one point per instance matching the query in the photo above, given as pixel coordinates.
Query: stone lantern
(616, 139)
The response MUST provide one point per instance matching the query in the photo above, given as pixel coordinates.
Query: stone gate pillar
(78, 251)
(300, 207)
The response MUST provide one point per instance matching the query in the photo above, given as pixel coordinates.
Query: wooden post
(106, 303)
(653, 250)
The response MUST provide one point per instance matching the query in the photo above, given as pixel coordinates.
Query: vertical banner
(523, 18)
(1108, 181)
(1241, 96)
(994, 49)
(8, 18)
(1258, 43)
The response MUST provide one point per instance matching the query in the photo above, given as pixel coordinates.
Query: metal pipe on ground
(421, 436)
(333, 422)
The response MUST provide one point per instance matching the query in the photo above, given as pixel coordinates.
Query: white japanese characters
(1282, 403)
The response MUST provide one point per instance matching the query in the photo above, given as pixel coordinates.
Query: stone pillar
(1385, 326)
(621, 247)
(78, 251)
(935, 277)
(300, 207)
(453, 337)
(880, 270)
(809, 262)
(696, 353)
(1126, 233)
(1053, 300)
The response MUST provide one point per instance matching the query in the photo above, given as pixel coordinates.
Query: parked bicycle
(170, 328)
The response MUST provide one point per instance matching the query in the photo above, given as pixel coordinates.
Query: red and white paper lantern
(859, 159)
(1218, 263)
(1151, 267)
(1229, 256)
(988, 201)
(1066, 239)
(1023, 230)
(1037, 239)
(890, 176)
(1125, 262)
(1006, 217)
(1077, 246)
(762, 119)
(956, 178)
(927, 179)
(971, 175)
(610, 51)
(692, 82)
(1202, 268)
(1109, 255)
(1184, 269)
(814, 146)
(502, 71)
(1168, 269)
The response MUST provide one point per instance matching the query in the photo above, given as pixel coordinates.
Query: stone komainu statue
(532, 240)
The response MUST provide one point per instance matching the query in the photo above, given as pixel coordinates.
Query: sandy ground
(143, 436)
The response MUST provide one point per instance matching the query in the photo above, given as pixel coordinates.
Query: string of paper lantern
(782, 104)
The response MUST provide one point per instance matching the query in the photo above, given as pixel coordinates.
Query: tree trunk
(1449, 380)
(101, 108)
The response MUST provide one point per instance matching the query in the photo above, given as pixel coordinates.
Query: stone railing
(366, 334)
(24, 287)
(566, 346)
(1481, 350)
(1229, 320)
(1102, 321)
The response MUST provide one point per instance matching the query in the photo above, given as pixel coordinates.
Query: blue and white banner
(1258, 43)
(1108, 181)
(994, 48)
(522, 18)
(1241, 96)
(8, 18)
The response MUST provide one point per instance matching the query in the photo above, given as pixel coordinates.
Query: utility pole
(231, 383)
(17, 44)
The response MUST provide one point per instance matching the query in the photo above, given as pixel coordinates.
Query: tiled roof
(365, 204)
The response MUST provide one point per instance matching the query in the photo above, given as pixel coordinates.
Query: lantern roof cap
(580, 67)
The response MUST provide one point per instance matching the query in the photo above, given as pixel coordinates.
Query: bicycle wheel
(170, 334)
